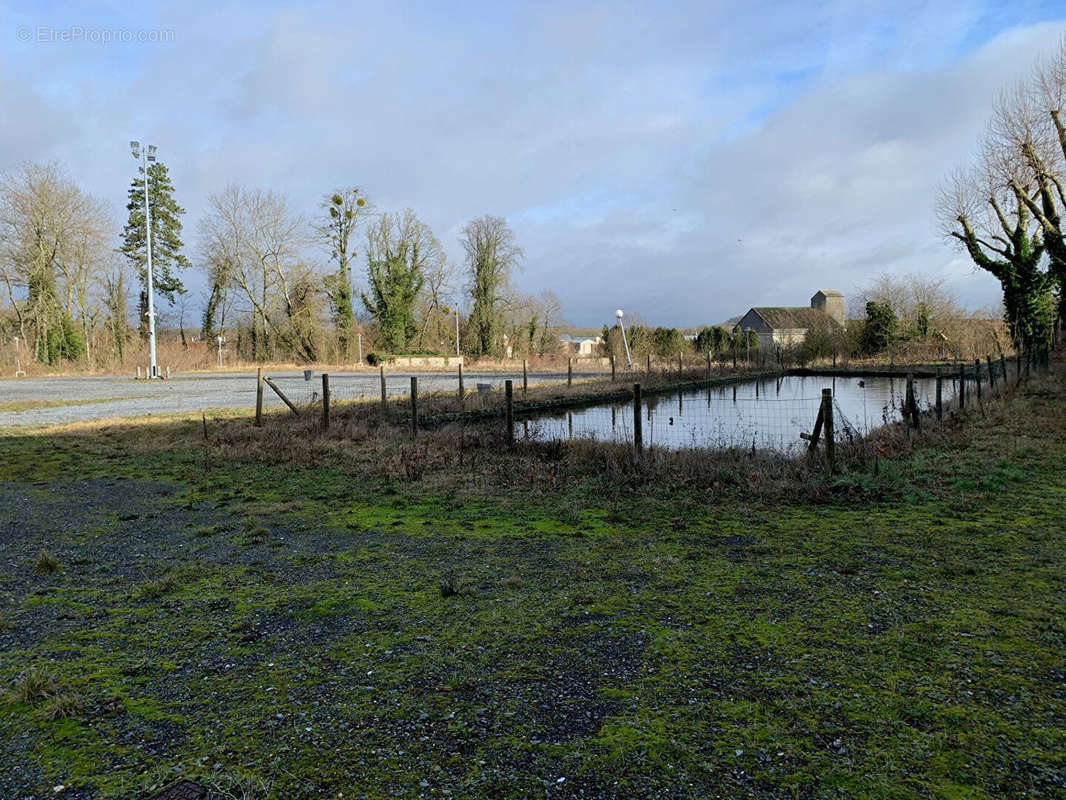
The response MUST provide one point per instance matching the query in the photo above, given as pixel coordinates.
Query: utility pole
(144, 156)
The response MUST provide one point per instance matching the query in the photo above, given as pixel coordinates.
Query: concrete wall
(832, 303)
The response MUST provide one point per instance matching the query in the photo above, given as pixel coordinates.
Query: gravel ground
(101, 397)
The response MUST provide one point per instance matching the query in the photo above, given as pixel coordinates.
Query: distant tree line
(910, 315)
(280, 287)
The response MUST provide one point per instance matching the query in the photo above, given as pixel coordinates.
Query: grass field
(311, 622)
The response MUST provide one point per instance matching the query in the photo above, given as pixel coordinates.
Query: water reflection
(745, 414)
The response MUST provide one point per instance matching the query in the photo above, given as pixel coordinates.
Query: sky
(683, 161)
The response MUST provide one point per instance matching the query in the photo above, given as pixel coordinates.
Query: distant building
(580, 345)
(787, 326)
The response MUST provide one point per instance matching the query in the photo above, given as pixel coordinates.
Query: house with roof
(787, 326)
(581, 345)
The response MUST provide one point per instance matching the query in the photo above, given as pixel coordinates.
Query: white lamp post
(144, 156)
(625, 343)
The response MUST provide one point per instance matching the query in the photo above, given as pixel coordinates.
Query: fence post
(138, 372)
(1018, 366)
(414, 406)
(977, 377)
(991, 374)
(680, 369)
(525, 377)
(827, 427)
(638, 430)
(939, 396)
(962, 387)
(384, 398)
(1003, 369)
(910, 414)
(569, 372)
(708, 363)
(509, 412)
(259, 397)
(325, 401)
(612, 368)
(648, 370)
(462, 394)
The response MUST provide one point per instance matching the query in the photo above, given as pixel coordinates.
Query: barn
(787, 326)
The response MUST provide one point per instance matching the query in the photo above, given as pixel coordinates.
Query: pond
(767, 414)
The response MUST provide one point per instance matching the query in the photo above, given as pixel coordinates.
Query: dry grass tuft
(46, 563)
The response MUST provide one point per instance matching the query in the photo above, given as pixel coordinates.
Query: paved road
(101, 397)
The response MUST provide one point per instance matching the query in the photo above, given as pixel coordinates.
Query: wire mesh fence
(780, 412)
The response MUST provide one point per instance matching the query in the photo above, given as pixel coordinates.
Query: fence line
(755, 415)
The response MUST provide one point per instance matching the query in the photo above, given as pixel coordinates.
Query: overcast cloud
(684, 161)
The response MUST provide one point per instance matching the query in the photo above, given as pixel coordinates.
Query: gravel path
(101, 397)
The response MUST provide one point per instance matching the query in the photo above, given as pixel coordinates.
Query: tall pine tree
(167, 257)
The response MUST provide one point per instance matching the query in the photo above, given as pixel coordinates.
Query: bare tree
(491, 256)
(251, 242)
(53, 250)
(987, 212)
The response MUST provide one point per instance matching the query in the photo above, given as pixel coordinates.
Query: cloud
(685, 161)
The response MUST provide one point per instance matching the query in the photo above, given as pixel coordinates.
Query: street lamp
(629, 361)
(144, 156)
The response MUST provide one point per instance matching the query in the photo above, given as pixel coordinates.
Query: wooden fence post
(909, 417)
(525, 377)
(939, 396)
(1003, 369)
(991, 374)
(259, 397)
(977, 377)
(325, 401)
(708, 363)
(462, 394)
(638, 430)
(962, 387)
(384, 397)
(827, 425)
(1018, 366)
(680, 369)
(648, 370)
(569, 372)
(612, 368)
(509, 411)
(414, 406)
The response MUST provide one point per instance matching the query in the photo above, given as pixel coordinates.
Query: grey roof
(793, 318)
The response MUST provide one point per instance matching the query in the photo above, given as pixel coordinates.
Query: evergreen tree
(880, 328)
(167, 257)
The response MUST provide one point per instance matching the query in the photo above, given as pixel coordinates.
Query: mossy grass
(509, 620)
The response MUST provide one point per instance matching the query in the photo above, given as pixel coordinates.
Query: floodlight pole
(625, 343)
(146, 155)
